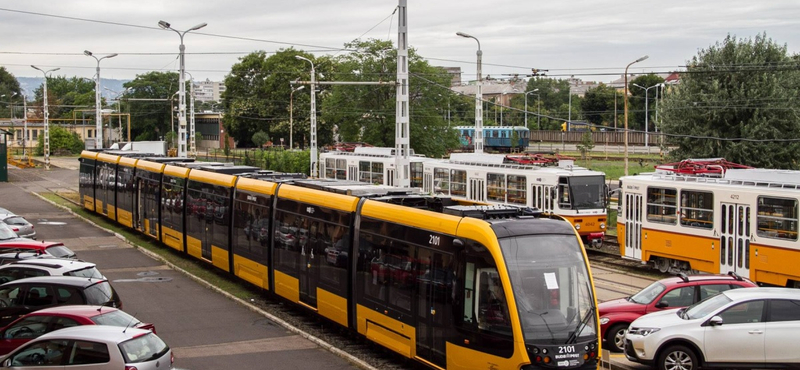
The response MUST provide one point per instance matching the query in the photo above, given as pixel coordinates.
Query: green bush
(61, 140)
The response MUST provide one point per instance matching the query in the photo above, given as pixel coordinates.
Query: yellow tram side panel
(88, 201)
(621, 242)
(174, 238)
(320, 198)
(459, 357)
(125, 217)
(251, 271)
(329, 305)
(701, 252)
(386, 331)
(773, 265)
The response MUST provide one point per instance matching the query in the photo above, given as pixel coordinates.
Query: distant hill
(30, 84)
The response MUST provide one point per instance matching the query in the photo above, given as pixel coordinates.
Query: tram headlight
(577, 226)
(602, 225)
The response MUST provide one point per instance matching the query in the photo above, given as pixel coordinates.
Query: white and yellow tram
(745, 221)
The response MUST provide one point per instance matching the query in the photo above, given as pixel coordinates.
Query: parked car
(93, 347)
(55, 249)
(19, 225)
(4, 211)
(740, 328)
(48, 267)
(23, 296)
(673, 292)
(37, 323)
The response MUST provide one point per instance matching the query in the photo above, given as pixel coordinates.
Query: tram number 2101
(563, 350)
(434, 240)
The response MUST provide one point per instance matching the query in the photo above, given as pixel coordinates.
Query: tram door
(734, 242)
(389, 177)
(352, 173)
(542, 198)
(633, 226)
(434, 304)
(477, 189)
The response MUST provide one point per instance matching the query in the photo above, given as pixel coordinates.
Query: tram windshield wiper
(574, 336)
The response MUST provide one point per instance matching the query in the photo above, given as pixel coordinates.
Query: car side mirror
(7, 363)
(662, 304)
(715, 321)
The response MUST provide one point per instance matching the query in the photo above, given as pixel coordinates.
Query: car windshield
(705, 307)
(88, 272)
(144, 348)
(16, 220)
(551, 287)
(60, 251)
(647, 295)
(6, 233)
(115, 318)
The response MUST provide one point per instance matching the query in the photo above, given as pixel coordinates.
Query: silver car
(92, 347)
(7, 233)
(20, 225)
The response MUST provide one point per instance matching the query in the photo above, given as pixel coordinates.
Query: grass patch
(202, 270)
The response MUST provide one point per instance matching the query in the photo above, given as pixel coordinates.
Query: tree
(553, 100)
(68, 96)
(152, 118)
(367, 112)
(256, 96)
(636, 101)
(586, 145)
(260, 138)
(60, 139)
(9, 86)
(737, 100)
(598, 105)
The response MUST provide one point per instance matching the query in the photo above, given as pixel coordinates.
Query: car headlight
(604, 320)
(642, 331)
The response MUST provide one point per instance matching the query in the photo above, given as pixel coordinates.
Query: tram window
(517, 189)
(564, 201)
(330, 168)
(458, 184)
(661, 205)
(496, 187)
(251, 225)
(441, 179)
(697, 209)
(391, 269)
(777, 218)
(341, 169)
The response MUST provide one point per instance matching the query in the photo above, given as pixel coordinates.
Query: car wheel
(615, 337)
(678, 357)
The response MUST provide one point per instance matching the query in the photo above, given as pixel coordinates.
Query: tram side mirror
(458, 243)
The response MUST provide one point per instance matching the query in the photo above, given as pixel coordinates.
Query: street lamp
(526, 107)
(478, 98)
(646, 111)
(291, 113)
(98, 142)
(46, 117)
(313, 132)
(182, 87)
(626, 109)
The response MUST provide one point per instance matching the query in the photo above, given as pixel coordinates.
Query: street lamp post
(46, 117)
(646, 111)
(192, 133)
(98, 142)
(478, 98)
(626, 109)
(313, 130)
(291, 115)
(526, 106)
(182, 87)
(501, 107)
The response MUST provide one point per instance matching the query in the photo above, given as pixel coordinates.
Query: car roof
(705, 278)
(28, 243)
(56, 279)
(105, 333)
(767, 293)
(76, 310)
(52, 263)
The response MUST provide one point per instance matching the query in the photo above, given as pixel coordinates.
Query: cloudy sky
(591, 39)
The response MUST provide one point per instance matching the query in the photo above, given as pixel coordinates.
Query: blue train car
(496, 138)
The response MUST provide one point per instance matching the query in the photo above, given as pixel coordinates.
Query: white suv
(742, 328)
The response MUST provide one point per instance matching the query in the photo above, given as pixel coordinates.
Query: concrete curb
(325, 345)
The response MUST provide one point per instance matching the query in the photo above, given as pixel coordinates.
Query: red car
(34, 324)
(673, 292)
(56, 249)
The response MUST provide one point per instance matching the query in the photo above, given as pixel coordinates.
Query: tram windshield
(551, 287)
(587, 192)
